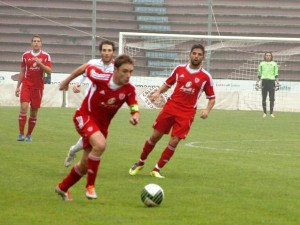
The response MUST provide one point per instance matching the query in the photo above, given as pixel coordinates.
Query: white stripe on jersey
(99, 76)
(91, 93)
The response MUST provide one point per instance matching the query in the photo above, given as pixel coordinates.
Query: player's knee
(174, 141)
(99, 147)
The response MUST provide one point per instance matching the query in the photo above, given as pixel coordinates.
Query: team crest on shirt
(121, 96)
(197, 80)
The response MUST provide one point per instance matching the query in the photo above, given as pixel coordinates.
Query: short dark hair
(198, 46)
(107, 42)
(122, 59)
(36, 36)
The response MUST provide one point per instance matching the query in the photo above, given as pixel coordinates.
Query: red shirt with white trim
(190, 84)
(105, 98)
(34, 74)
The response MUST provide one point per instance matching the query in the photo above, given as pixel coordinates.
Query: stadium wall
(230, 94)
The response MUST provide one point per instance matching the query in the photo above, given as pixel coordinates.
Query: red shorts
(86, 126)
(179, 122)
(34, 96)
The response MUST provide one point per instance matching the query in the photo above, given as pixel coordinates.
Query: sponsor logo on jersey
(111, 101)
(187, 88)
(34, 66)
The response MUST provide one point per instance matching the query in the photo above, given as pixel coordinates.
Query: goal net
(232, 62)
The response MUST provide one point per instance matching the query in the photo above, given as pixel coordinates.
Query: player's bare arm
(204, 113)
(20, 79)
(79, 70)
(159, 91)
(64, 85)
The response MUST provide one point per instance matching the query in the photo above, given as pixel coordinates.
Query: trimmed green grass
(235, 168)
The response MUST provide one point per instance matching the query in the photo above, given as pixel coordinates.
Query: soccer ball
(152, 195)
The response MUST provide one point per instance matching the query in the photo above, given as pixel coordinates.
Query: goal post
(232, 61)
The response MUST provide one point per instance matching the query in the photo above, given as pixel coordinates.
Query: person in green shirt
(268, 76)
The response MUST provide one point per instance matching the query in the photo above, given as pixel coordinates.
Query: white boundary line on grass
(198, 144)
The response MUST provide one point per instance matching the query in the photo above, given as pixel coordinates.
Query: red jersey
(34, 74)
(190, 84)
(104, 98)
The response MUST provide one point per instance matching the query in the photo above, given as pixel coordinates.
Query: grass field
(235, 168)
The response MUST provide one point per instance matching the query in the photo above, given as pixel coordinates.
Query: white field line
(204, 146)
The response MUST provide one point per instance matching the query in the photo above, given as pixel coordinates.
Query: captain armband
(134, 108)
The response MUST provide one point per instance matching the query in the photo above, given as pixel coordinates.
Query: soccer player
(268, 76)
(105, 63)
(107, 94)
(33, 66)
(178, 113)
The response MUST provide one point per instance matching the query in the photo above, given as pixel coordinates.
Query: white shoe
(272, 116)
(70, 157)
(90, 192)
(66, 196)
(264, 115)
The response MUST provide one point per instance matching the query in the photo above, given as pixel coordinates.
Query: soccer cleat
(135, 169)
(90, 192)
(264, 115)
(272, 116)
(70, 157)
(66, 196)
(21, 137)
(156, 174)
(28, 138)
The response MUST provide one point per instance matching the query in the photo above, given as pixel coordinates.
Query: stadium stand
(65, 25)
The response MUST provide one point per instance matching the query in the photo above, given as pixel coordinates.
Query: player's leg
(98, 142)
(272, 97)
(24, 105)
(36, 100)
(161, 126)
(73, 177)
(72, 152)
(31, 123)
(147, 149)
(22, 119)
(264, 93)
(165, 156)
(180, 129)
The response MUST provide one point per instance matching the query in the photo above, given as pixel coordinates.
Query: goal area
(231, 60)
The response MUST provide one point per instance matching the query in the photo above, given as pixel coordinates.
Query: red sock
(93, 163)
(71, 179)
(31, 124)
(165, 157)
(22, 122)
(148, 147)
